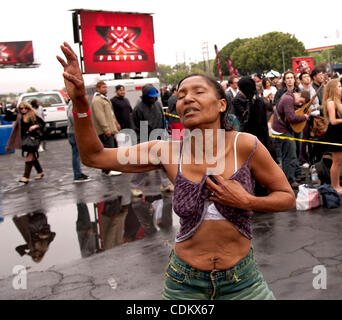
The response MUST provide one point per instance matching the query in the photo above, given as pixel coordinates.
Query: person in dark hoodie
(149, 109)
(250, 110)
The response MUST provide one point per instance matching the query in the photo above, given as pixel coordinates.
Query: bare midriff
(215, 245)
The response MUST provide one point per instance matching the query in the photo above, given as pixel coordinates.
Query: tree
(172, 75)
(202, 67)
(225, 53)
(318, 57)
(262, 53)
(31, 89)
(336, 54)
(162, 73)
(179, 71)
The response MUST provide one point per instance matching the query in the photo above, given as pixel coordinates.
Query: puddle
(68, 228)
(63, 248)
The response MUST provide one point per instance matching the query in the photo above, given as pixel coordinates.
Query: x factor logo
(3, 54)
(120, 44)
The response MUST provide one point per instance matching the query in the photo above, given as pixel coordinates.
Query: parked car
(54, 107)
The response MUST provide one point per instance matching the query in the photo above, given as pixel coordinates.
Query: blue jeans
(108, 142)
(289, 158)
(241, 282)
(76, 163)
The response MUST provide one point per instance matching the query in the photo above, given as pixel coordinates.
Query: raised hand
(72, 74)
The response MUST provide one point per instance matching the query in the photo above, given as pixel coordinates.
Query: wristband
(81, 115)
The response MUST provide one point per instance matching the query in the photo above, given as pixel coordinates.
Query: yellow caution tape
(303, 140)
(171, 115)
(278, 137)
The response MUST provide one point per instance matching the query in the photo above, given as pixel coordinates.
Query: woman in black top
(27, 124)
(250, 109)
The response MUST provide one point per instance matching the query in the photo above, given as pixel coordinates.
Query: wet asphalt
(298, 252)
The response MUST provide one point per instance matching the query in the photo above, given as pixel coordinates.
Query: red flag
(218, 64)
(231, 68)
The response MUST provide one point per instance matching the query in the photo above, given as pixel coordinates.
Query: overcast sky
(180, 28)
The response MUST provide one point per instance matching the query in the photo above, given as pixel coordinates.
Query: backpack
(323, 168)
(330, 197)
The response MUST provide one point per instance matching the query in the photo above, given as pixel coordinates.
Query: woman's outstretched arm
(91, 150)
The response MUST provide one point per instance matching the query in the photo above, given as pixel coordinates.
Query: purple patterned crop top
(191, 200)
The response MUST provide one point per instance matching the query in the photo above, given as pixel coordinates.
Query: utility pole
(327, 37)
(283, 57)
(205, 52)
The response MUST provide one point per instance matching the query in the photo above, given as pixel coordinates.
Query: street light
(326, 37)
(282, 54)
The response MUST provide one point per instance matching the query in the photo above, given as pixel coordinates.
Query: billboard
(301, 63)
(13, 53)
(117, 42)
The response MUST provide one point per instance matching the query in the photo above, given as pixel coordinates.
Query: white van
(133, 88)
(54, 107)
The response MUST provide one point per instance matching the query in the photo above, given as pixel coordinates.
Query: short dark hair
(118, 87)
(35, 103)
(231, 78)
(301, 75)
(314, 72)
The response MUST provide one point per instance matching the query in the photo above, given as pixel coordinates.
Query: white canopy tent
(272, 74)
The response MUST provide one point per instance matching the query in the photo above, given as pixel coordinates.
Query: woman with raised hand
(213, 176)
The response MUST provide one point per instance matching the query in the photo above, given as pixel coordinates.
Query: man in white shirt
(305, 150)
(232, 90)
(306, 85)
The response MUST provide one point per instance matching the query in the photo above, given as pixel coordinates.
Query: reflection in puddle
(35, 230)
(39, 240)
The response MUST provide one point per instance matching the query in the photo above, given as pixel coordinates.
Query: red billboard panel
(117, 42)
(20, 52)
(301, 63)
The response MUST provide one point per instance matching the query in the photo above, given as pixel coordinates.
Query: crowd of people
(271, 107)
(213, 256)
(266, 107)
